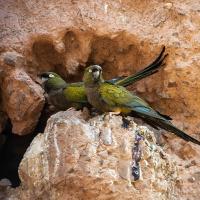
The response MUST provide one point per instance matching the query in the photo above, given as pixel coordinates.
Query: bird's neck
(93, 84)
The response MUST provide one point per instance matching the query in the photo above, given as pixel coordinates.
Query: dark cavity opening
(13, 148)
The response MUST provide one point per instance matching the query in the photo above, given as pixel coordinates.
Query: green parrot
(65, 95)
(109, 97)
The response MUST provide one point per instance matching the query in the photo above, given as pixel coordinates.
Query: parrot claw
(113, 113)
(110, 114)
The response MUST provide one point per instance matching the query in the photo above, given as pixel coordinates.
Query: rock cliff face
(78, 159)
(123, 36)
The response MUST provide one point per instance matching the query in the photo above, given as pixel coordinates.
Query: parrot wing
(115, 80)
(75, 92)
(120, 97)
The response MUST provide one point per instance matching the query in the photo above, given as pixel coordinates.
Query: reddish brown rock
(22, 100)
(188, 152)
(12, 59)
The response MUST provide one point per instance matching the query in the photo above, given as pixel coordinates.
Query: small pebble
(191, 179)
(5, 182)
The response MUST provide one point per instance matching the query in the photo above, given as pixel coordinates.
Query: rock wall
(123, 36)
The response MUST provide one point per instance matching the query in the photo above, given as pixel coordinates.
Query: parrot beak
(96, 75)
(43, 79)
(96, 72)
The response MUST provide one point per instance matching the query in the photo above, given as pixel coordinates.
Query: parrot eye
(90, 70)
(51, 76)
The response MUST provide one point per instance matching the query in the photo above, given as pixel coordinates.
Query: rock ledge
(79, 159)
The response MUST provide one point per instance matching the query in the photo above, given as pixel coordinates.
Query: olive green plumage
(53, 81)
(64, 95)
(108, 97)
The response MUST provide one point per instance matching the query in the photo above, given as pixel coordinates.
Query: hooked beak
(96, 75)
(43, 79)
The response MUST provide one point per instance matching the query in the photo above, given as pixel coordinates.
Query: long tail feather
(149, 70)
(154, 65)
(160, 121)
(170, 127)
(157, 60)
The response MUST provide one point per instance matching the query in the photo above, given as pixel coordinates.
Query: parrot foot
(113, 113)
(110, 114)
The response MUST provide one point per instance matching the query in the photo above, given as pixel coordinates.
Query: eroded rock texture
(78, 159)
(23, 101)
(21, 98)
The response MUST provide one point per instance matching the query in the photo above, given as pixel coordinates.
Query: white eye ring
(90, 70)
(51, 76)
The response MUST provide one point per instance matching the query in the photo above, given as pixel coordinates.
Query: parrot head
(92, 75)
(52, 81)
